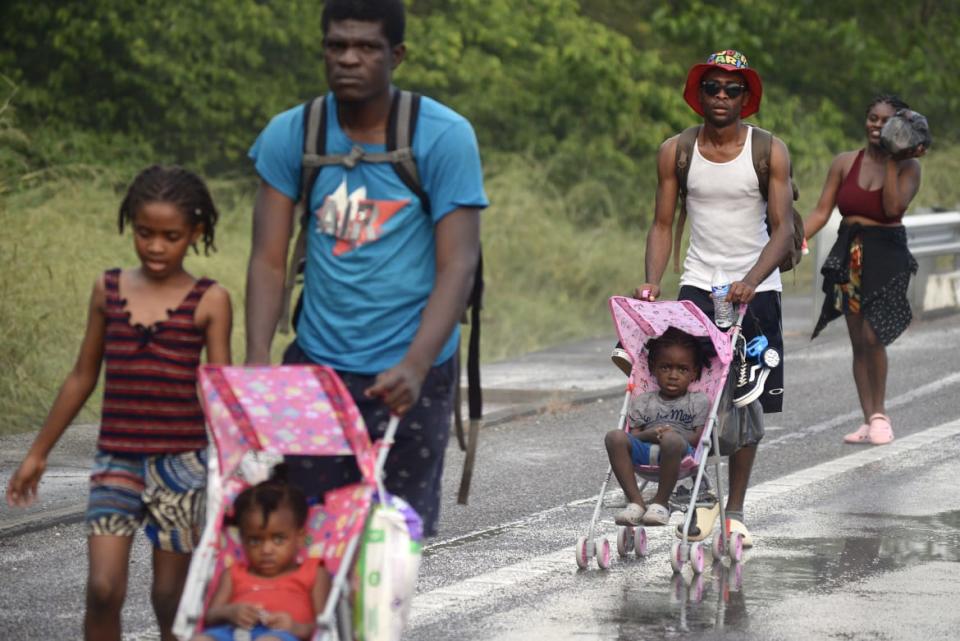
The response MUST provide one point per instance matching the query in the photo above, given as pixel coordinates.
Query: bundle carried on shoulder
(905, 132)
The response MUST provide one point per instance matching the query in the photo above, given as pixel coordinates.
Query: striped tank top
(150, 403)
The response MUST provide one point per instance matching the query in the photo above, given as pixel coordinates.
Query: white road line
(851, 417)
(909, 342)
(843, 419)
(470, 593)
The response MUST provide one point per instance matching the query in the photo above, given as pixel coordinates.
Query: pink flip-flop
(860, 436)
(881, 431)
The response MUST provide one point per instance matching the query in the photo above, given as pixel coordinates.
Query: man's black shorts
(764, 316)
(414, 467)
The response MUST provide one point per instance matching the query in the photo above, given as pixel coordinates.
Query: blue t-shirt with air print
(371, 247)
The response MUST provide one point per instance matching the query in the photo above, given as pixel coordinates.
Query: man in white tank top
(728, 220)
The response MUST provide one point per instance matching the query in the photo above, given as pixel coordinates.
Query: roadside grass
(547, 278)
(548, 272)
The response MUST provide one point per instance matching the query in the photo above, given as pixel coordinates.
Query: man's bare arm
(272, 226)
(660, 236)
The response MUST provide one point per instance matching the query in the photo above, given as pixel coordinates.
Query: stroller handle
(389, 436)
(741, 312)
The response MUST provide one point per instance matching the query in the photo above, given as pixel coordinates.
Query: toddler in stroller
(671, 434)
(368, 542)
(665, 426)
(277, 595)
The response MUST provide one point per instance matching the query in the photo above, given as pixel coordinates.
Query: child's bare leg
(618, 451)
(672, 448)
(109, 558)
(169, 575)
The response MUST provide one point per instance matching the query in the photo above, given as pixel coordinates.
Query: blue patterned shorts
(226, 633)
(165, 492)
(640, 451)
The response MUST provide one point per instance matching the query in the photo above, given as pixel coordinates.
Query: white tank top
(727, 219)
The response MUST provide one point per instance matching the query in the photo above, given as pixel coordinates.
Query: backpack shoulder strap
(314, 145)
(685, 144)
(760, 148)
(401, 128)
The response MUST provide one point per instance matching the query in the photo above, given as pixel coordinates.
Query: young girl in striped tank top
(148, 325)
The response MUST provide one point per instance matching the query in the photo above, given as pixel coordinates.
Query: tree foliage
(192, 77)
(587, 87)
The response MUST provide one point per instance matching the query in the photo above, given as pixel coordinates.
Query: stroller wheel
(603, 553)
(736, 547)
(735, 577)
(640, 542)
(697, 589)
(583, 553)
(678, 586)
(677, 556)
(718, 548)
(625, 540)
(697, 557)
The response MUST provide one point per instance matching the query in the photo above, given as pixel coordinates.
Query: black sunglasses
(712, 88)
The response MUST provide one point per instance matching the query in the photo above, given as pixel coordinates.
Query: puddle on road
(733, 600)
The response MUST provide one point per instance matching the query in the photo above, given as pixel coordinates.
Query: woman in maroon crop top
(868, 270)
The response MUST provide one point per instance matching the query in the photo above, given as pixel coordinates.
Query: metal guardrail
(929, 236)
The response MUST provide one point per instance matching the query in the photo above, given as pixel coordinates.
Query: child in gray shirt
(665, 426)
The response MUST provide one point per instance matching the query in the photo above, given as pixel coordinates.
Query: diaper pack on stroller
(367, 540)
(636, 323)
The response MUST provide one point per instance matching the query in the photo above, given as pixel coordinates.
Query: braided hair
(679, 338)
(177, 186)
(269, 496)
(890, 99)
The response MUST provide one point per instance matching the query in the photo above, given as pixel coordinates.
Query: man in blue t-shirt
(386, 280)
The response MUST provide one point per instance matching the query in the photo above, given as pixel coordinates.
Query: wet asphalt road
(851, 542)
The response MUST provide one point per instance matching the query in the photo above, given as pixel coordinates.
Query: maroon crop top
(853, 200)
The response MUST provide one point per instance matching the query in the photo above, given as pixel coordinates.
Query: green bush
(195, 78)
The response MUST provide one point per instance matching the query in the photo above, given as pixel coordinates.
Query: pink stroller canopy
(300, 410)
(638, 321)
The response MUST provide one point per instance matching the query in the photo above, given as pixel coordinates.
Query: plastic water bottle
(722, 308)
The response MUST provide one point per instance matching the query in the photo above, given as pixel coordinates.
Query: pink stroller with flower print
(255, 416)
(636, 323)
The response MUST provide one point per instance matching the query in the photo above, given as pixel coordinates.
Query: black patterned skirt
(867, 272)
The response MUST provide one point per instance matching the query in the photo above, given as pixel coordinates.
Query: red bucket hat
(728, 60)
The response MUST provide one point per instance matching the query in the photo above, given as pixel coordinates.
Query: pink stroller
(637, 322)
(255, 415)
